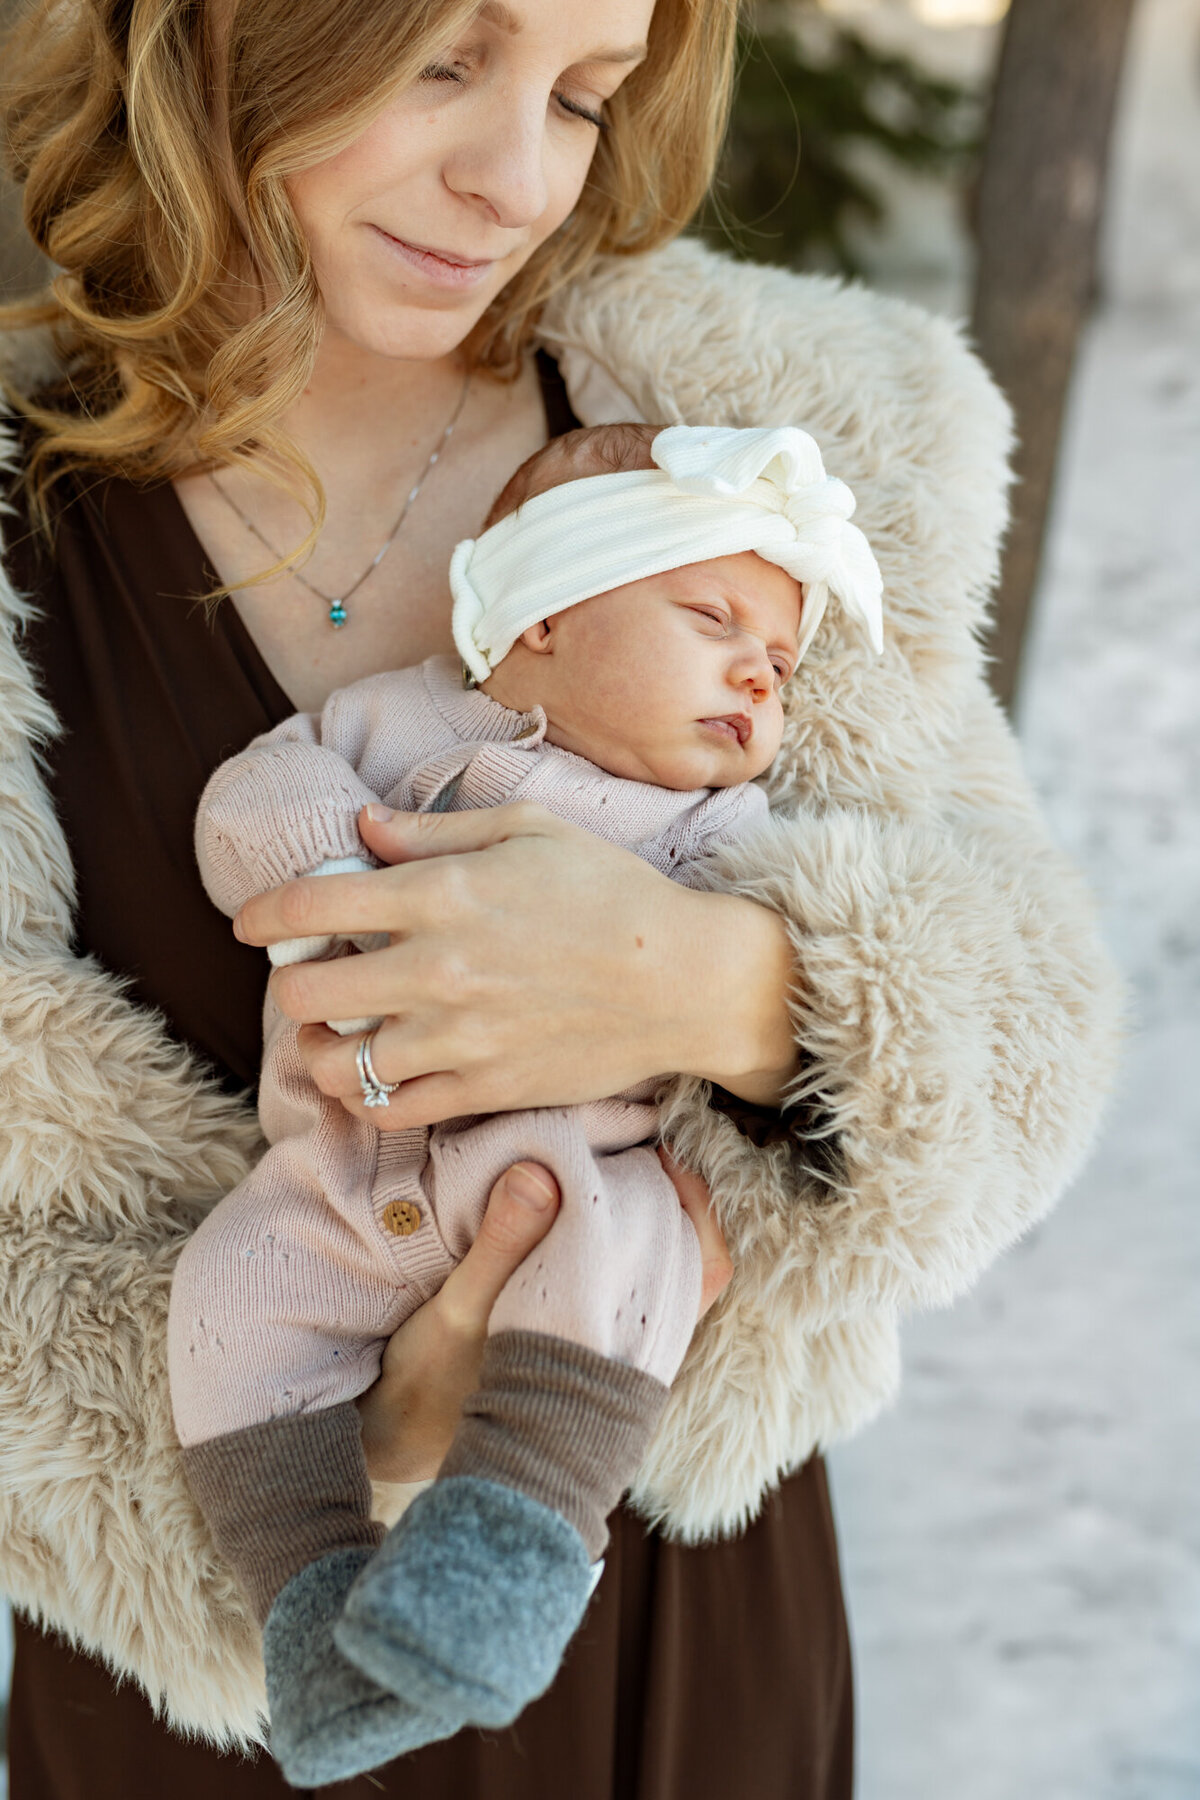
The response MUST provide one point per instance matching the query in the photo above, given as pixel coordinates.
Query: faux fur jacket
(957, 1016)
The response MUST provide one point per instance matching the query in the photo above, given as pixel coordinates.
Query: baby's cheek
(767, 740)
(686, 766)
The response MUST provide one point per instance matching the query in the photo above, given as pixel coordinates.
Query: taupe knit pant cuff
(560, 1423)
(279, 1496)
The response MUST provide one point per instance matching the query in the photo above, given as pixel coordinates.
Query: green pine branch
(790, 183)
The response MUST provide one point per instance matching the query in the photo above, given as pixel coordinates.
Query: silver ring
(374, 1091)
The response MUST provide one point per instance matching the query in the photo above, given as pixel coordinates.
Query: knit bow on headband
(716, 491)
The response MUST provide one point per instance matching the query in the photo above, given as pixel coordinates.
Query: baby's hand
(294, 950)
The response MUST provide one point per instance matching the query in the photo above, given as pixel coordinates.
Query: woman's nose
(503, 163)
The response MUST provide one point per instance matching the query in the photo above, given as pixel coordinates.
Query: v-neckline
(228, 620)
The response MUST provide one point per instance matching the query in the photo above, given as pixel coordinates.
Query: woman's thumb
(520, 1211)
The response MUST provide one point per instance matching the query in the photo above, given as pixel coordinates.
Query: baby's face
(673, 679)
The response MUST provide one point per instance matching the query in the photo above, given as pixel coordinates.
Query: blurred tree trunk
(1038, 212)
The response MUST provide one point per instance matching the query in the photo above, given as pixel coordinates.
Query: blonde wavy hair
(110, 128)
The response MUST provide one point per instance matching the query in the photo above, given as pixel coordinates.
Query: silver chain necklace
(337, 603)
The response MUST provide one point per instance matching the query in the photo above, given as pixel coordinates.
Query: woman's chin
(404, 333)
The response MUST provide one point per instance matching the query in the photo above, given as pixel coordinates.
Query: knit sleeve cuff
(273, 813)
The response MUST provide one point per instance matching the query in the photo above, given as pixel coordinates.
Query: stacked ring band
(374, 1091)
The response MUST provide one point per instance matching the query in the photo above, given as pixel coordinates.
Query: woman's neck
(362, 415)
(368, 426)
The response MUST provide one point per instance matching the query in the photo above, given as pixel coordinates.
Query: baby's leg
(276, 1320)
(280, 1305)
(476, 1592)
(590, 1331)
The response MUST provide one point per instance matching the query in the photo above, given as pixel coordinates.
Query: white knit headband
(716, 491)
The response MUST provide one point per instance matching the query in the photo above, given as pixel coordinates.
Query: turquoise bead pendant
(337, 614)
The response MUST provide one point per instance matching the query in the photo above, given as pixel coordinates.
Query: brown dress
(720, 1673)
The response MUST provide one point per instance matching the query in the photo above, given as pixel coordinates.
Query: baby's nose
(758, 675)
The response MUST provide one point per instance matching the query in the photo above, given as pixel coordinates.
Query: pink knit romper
(284, 1298)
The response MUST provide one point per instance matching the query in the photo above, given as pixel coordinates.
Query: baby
(626, 621)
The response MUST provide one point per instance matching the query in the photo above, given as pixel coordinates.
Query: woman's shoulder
(689, 335)
(711, 333)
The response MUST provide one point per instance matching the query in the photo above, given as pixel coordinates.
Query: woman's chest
(380, 563)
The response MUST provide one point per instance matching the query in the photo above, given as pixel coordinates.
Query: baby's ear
(538, 638)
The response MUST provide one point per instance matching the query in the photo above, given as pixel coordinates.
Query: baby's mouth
(734, 726)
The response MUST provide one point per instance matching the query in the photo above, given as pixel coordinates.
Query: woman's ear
(539, 638)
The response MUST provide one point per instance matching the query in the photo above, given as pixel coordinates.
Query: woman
(306, 247)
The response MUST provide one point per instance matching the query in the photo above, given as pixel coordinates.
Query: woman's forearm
(734, 970)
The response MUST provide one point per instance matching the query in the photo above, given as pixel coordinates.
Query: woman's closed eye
(579, 111)
(459, 71)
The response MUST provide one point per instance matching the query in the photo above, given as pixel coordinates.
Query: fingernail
(531, 1188)
(380, 814)
(238, 933)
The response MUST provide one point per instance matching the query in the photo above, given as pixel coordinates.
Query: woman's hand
(716, 1264)
(530, 964)
(432, 1363)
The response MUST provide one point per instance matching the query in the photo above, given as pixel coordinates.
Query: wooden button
(528, 732)
(401, 1218)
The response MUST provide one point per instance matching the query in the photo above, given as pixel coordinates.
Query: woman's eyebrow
(496, 13)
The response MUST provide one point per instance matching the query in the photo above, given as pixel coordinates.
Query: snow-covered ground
(1022, 1533)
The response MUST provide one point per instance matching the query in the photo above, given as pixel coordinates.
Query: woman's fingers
(399, 837)
(396, 899)
(346, 987)
(520, 1211)
(540, 971)
(421, 1099)
(313, 906)
(716, 1265)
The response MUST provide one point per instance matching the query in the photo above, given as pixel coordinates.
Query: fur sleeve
(958, 1021)
(956, 1014)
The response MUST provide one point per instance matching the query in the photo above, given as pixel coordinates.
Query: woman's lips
(439, 267)
(733, 726)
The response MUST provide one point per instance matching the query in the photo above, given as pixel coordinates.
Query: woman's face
(416, 226)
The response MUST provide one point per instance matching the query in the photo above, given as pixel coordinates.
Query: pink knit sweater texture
(285, 1296)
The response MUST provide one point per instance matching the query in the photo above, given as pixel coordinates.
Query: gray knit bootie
(328, 1720)
(468, 1605)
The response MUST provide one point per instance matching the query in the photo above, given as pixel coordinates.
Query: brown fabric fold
(563, 1424)
(278, 1496)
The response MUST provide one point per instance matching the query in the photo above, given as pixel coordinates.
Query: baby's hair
(591, 450)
